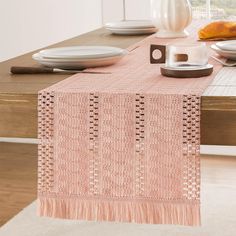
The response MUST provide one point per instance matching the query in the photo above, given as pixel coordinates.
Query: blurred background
(28, 25)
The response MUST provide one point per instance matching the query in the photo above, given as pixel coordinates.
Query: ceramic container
(171, 17)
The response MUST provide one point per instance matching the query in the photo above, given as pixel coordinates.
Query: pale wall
(26, 25)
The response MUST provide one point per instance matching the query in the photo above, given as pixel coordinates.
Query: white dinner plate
(131, 24)
(224, 53)
(81, 52)
(229, 45)
(77, 63)
(132, 31)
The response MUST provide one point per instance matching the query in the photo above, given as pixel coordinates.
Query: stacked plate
(79, 57)
(226, 49)
(131, 27)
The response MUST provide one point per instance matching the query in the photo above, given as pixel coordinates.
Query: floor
(18, 178)
(18, 189)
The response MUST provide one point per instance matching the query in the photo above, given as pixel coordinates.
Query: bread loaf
(218, 30)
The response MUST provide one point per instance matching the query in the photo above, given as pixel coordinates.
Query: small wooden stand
(187, 73)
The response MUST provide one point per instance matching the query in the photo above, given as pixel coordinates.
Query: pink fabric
(122, 146)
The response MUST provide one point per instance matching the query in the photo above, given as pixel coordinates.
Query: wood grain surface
(18, 94)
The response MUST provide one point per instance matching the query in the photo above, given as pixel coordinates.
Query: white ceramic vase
(171, 17)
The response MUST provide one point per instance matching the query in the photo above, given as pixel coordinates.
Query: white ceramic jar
(171, 17)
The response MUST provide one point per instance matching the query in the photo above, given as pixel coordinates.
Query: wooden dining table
(18, 94)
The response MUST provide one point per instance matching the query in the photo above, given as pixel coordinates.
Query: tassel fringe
(121, 211)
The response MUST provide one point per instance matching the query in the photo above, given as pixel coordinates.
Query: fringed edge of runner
(121, 211)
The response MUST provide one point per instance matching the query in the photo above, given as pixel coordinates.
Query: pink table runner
(122, 147)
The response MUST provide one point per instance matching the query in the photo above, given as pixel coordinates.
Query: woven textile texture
(122, 146)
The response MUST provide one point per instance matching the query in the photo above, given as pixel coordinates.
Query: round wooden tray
(187, 73)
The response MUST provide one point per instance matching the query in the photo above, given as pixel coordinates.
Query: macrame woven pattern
(122, 146)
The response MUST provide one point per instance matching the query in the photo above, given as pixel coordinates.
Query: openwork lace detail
(191, 146)
(140, 143)
(45, 147)
(45, 115)
(93, 143)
